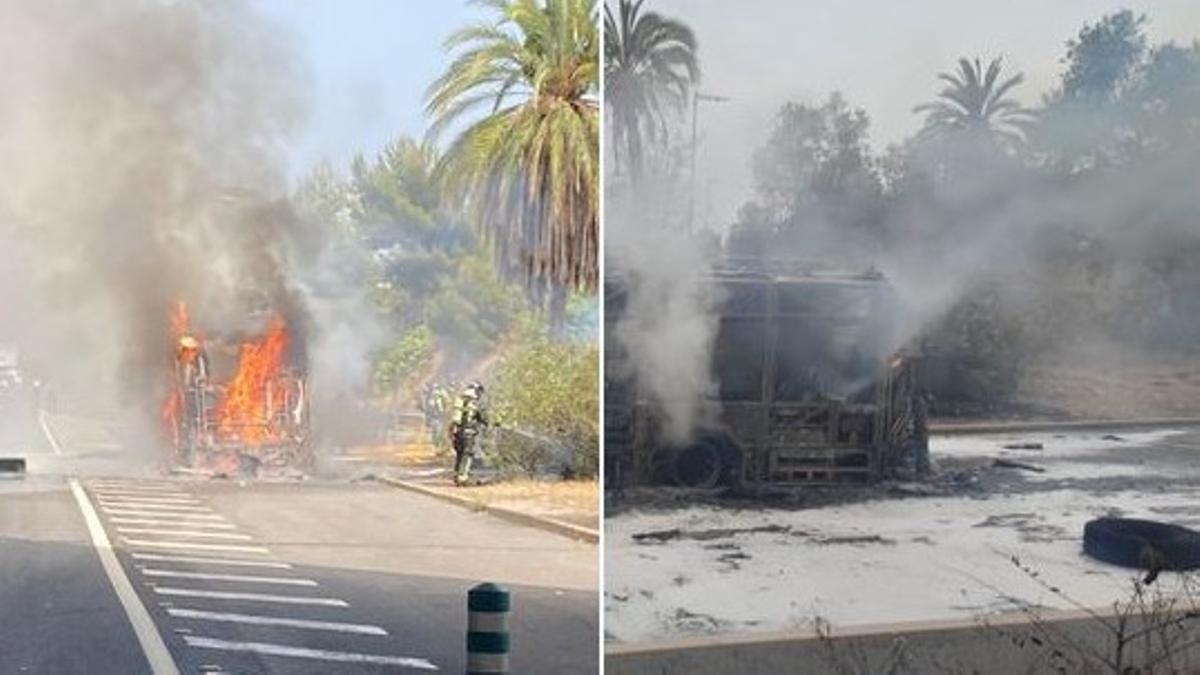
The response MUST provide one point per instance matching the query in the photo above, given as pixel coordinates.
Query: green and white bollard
(487, 630)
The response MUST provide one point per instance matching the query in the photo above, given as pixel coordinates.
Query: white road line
(171, 508)
(147, 500)
(228, 536)
(335, 626)
(282, 581)
(155, 557)
(161, 514)
(257, 597)
(121, 494)
(49, 434)
(194, 545)
(151, 641)
(135, 485)
(303, 653)
(153, 505)
(149, 488)
(148, 481)
(151, 521)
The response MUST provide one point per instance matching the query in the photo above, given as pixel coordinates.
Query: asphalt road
(295, 577)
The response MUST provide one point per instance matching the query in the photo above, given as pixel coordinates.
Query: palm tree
(650, 68)
(973, 103)
(527, 169)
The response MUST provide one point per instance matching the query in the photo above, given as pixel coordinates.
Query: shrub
(404, 357)
(550, 390)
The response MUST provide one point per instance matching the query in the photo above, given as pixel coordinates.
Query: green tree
(1168, 96)
(528, 169)
(650, 68)
(816, 183)
(975, 102)
(384, 228)
(414, 241)
(402, 358)
(1118, 100)
(397, 200)
(1104, 59)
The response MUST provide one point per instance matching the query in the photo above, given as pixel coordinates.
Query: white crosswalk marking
(191, 505)
(177, 508)
(138, 490)
(156, 522)
(232, 562)
(299, 652)
(255, 597)
(164, 514)
(139, 501)
(157, 654)
(195, 545)
(335, 626)
(160, 525)
(105, 494)
(282, 581)
(227, 536)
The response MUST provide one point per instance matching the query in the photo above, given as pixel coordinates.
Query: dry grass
(417, 454)
(572, 501)
(1115, 384)
(577, 495)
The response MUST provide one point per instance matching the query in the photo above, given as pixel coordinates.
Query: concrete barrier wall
(950, 428)
(1050, 643)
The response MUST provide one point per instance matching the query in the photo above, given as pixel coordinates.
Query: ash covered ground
(898, 552)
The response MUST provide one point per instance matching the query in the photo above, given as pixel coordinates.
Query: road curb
(806, 648)
(969, 428)
(811, 634)
(548, 524)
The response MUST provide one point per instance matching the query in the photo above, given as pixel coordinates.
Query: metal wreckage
(237, 406)
(806, 390)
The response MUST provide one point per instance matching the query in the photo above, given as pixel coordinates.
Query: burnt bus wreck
(805, 391)
(237, 405)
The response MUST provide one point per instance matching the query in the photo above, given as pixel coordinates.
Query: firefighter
(441, 403)
(428, 405)
(469, 420)
(439, 400)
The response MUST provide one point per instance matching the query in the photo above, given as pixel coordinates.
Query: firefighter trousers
(463, 454)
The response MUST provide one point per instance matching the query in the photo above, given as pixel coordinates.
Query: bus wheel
(699, 465)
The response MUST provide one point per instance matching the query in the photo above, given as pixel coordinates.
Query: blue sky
(368, 63)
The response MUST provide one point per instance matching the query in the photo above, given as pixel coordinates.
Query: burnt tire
(696, 466)
(709, 462)
(1142, 544)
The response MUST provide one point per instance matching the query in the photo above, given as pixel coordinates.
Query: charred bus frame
(805, 391)
(195, 429)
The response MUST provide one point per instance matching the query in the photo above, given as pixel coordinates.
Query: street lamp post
(697, 97)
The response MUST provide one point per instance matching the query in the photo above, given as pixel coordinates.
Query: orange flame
(246, 412)
(179, 321)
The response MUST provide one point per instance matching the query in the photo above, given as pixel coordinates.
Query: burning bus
(806, 389)
(236, 405)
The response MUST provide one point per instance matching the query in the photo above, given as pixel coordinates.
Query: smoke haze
(1075, 239)
(665, 326)
(143, 145)
(882, 55)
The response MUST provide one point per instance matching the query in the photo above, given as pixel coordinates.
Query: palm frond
(650, 71)
(527, 170)
(972, 101)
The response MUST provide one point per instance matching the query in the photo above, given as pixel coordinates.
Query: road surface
(985, 540)
(290, 577)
